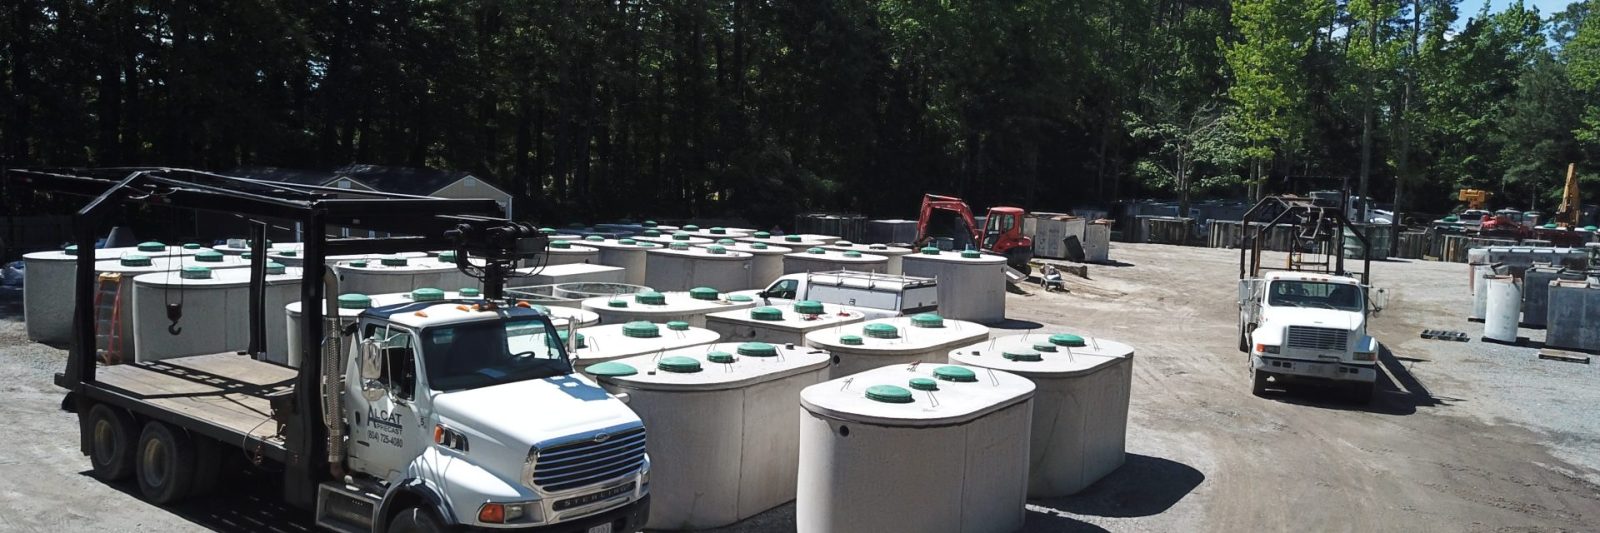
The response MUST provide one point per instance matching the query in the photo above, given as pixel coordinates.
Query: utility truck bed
(224, 395)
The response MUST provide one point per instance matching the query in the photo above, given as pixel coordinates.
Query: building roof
(403, 180)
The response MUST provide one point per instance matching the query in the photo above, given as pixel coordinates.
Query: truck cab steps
(347, 507)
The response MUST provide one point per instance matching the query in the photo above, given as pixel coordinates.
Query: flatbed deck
(223, 395)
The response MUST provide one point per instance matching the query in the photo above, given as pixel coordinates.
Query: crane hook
(174, 313)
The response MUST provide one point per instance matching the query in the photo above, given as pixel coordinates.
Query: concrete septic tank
(680, 267)
(552, 235)
(564, 252)
(48, 285)
(352, 304)
(689, 306)
(784, 324)
(679, 237)
(724, 431)
(216, 311)
(610, 342)
(297, 258)
(1480, 291)
(1536, 292)
(1080, 406)
(926, 338)
(131, 266)
(1097, 241)
(626, 254)
(932, 448)
(766, 261)
(570, 273)
(1574, 316)
(819, 259)
(240, 246)
(718, 232)
(1504, 309)
(893, 253)
(399, 274)
(798, 242)
(972, 284)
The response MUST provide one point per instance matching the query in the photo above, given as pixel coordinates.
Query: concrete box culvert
(892, 253)
(818, 259)
(669, 269)
(569, 273)
(627, 254)
(1503, 308)
(1536, 292)
(1574, 320)
(970, 288)
(932, 448)
(766, 261)
(610, 342)
(724, 430)
(216, 312)
(782, 324)
(665, 307)
(392, 274)
(48, 286)
(1080, 405)
(862, 346)
(128, 267)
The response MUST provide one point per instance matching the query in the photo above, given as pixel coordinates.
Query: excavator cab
(1003, 230)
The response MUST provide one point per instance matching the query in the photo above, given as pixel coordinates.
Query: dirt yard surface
(1462, 437)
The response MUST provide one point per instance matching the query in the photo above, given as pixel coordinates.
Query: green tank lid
(678, 364)
(791, 238)
(650, 298)
(71, 250)
(850, 340)
(716, 230)
(560, 244)
(719, 357)
(547, 231)
(582, 342)
(1066, 339)
(1591, 227)
(191, 246)
(889, 394)
(703, 293)
(881, 331)
(678, 246)
(959, 374)
(394, 261)
(289, 253)
(970, 254)
(678, 325)
(927, 320)
(652, 233)
(929, 250)
(151, 246)
(691, 227)
(924, 384)
(763, 235)
(640, 329)
(357, 264)
(274, 268)
(815, 250)
(852, 253)
(354, 301)
(844, 243)
(616, 302)
(727, 242)
(427, 294)
(1022, 354)
(246, 255)
(469, 292)
(1549, 225)
(135, 260)
(1044, 347)
(766, 314)
(758, 349)
(759, 245)
(208, 256)
(611, 369)
(195, 272)
(447, 256)
(739, 298)
(593, 238)
(627, 242)
(808, 307)
(716, 250)
(681, 235)
(650, 224)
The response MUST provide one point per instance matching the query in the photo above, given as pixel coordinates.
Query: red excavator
(948, 216)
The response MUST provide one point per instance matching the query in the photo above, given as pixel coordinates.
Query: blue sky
(1469, 8)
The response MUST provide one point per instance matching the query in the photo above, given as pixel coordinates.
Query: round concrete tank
(766, 261)
(784, 324)
(797, 242)
(132, 265)
(718, 232)
(668, 238)
(931, 448)
(1504, 309)
(893, 253)
(1480, 291)
(297, 258)
(724, 431)
(924, 338)
(350, 306)
(818, 259)
(216, 311)
(240, 246)
(1080, 406)
(564, 252)
(689, 306)
(551, 235)
(48, 286)
(610, 342)
(392, 274)
(972, 285)
(680, 267)
(567, 274)
(627, 254)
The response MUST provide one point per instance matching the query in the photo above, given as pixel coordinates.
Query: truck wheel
(415, 520)
(1258, 383)
(208, 466)
(166, 463)
(111, 442)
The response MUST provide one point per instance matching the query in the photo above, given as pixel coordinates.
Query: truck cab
(874, 295)
(1308, 327)
(473, 410)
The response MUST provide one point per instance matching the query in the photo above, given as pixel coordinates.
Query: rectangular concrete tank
(1051, 231)
(564, 252)
(1097, 242)
(683, 267)
(1574, 316)
(972, 285)
(48, 286)
(399, 274)
(766, 261)
(820, 259)
(687, 306)
(610, 342)
(570, 273)
(925, 338)
(891, 231)
(216, 311)
(782, 324)
(894, 254)
(626, 254)
(1536, 291)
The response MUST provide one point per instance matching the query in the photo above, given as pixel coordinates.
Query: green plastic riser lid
(716, 250)
(703, 293)
(1044, 347)
(1066, 339)
(71, 250)
(650, 298)
(611, 369)
(924, 384)
(394, 261)
(289, 253)
(191, 246)
(1022, 354)
(850, 340)
(719, 231)
(678, 364)
(881, 331)
(927, 320)
(195, 272)
(594, 238)
(650, 224)
(678, 325)
(808, 307)
(766, 313)
(738, 298)
(354, 301)
(560, 244)
(679, 246)
(763, 235)
(791, 238)
(547, 231)
(627, 242)
(427, 294)
(680, 236)
(757, 349)
(640, 329)
(759, 245)
(583, 342)
(719, 357)
(151, 246)
(970, 254)
(135, 260)
(616, 303)
(208, 256)
(275, 268)
(447, 256)
(469, 292)
(815, 250)
(930, 250)
(958, 374)
(889, 394)
(652, 233)
(727, 242)
(691, 227)
(358, 264)
(844, 243)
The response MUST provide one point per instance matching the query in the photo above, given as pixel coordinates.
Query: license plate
(602, 528)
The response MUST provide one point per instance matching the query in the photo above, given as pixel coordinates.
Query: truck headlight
(510, 513)
(1366, 356)
(1266, 348)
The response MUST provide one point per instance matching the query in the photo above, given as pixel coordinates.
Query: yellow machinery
(1475, 198)
(1567, 215)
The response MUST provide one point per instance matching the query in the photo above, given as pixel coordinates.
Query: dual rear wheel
(167, 463)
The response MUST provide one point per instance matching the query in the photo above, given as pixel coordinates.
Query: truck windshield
(481, 354)
(1340, 296)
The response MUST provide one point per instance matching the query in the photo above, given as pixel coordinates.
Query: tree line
(763, 108)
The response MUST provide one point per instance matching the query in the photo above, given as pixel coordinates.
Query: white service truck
(874, 295)
(1308, 327)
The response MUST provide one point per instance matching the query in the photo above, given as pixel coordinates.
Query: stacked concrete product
(130, 266)
(1050, 232)
(891, 231)
(679, 267)
(798, 242)
(1504, 308)
(1536, 292)
(972, 284)
(924, 338)
(1097, 241)
(610, 342)
(766, 261)
(1574, 316)
(48, 285)
(393, 274)
(626, 254)
(676, 237)
(724, 432)
(786, 324)
(690, 306)
(819, 259)
(931, 448)
(216, 311)
(893, 253)
(1080, 409)
(570, 273)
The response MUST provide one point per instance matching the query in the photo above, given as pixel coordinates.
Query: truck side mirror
(1244, 290)
(371, 368)
(1379, 299)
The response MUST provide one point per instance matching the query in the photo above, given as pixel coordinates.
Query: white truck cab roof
(445, 312)
(1310, 276)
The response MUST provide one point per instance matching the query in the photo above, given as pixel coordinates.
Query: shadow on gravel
(1143, 486)
(1398, 391)
(247, 501)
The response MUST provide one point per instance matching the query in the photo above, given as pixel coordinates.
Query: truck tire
(1258, 382)
(208, 466)
(111, 442)
(414, 520)
(166, 463)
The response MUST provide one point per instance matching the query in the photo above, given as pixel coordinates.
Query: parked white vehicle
(1308, 327)
(874, 295)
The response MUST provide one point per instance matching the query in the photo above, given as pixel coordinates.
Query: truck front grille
(587, 462)
(1313, 338)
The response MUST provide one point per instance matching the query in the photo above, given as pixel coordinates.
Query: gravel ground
(1462, 437)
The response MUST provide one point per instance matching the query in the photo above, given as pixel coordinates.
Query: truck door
(385, 426)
